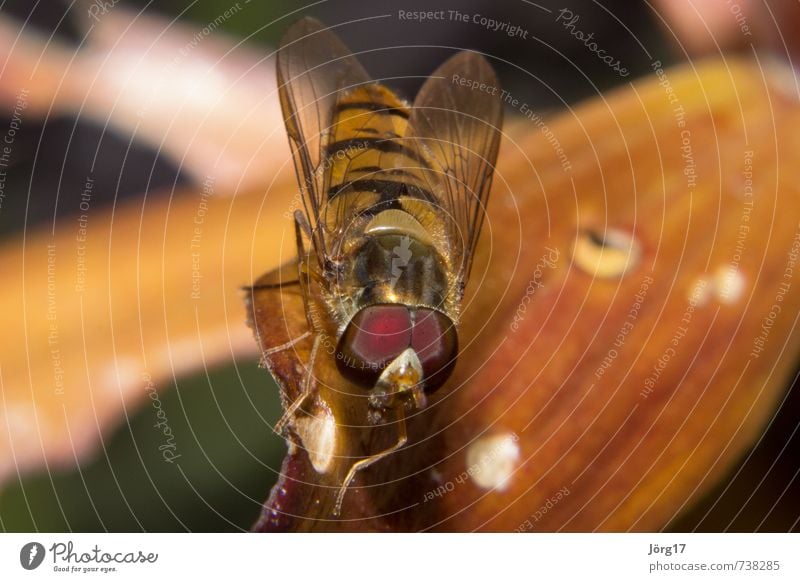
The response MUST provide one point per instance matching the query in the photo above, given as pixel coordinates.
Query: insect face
(399, 348)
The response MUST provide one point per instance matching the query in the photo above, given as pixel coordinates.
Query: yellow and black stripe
(371, 166)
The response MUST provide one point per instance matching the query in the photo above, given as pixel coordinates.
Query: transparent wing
(313, 67)
(456, 123)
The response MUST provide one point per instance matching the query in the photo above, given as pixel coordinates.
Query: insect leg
(402, 439)
(309, 386)
(301, 224)
(286, 346)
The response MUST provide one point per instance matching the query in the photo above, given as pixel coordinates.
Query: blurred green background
(229, 459)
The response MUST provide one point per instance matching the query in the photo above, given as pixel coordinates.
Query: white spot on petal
(318, 435)
(729, 284)
(606, 254)
(491, 460)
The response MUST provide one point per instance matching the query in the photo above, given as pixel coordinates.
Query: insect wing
(313, 67)
(456, 122)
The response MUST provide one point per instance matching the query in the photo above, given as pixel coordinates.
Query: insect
(393, 202)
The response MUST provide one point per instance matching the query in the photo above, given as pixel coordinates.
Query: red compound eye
(373, 338)
(435, 340)
(379, 333)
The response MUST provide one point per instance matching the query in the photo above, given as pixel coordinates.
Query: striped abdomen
(371, 166)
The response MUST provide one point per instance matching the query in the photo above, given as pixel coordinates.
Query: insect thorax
(394, 268)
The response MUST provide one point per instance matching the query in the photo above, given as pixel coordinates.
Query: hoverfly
(393, 202)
